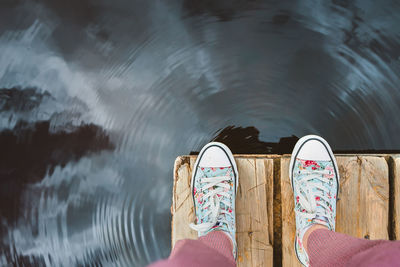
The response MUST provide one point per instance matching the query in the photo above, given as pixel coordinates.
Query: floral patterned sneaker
(214, 185)
(314, 177)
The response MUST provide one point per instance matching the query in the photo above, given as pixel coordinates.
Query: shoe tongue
(211, 172)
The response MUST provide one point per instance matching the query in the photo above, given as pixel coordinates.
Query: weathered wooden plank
(182, 203)
(395, 197)
(254, 212)
(277, 213)
(288, 219)
(363, 207)
(254, 205)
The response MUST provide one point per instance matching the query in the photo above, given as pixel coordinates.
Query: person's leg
(328, 248)
(211, 250)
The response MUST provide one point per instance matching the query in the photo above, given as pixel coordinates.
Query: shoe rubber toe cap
(313, 150)
(214, 156)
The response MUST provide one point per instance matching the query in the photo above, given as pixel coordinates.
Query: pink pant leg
(212, 250)
(327, 248)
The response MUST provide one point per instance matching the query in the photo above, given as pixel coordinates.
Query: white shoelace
(216, 197)
(311, 180)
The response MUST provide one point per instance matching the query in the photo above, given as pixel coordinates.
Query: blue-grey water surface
(97, 99)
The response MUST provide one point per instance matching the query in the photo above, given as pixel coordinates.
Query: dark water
(98, 97)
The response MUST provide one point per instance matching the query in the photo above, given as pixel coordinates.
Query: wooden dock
(368, 205)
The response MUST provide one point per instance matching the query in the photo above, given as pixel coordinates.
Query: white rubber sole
(298, 146)
(228, 153)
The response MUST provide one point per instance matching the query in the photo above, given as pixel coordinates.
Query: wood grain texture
(254, 212)
(254, 207)
(182, 203)
(289, 257)
(363, 206)
(395, 197)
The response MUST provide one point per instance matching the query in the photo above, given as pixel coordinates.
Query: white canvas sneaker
(314, 177)
(214, 186)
